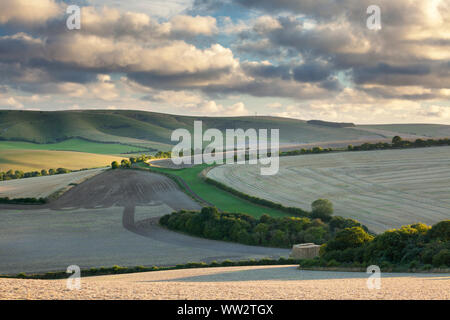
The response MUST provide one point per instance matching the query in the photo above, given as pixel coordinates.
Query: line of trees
(265, 231)
(397, 143)
(128, 163)
(6, 200)
(314, 150)
(415, 246)
(18, 174)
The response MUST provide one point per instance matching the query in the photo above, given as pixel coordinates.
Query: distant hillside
(151, 129)
(413, 130)
(331, 124)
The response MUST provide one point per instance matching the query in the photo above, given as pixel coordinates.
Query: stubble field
(382, 189)
(232, 283)
(36, 160)
(111, 219)
(42, 187)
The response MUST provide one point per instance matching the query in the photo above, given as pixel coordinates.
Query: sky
(304, 59)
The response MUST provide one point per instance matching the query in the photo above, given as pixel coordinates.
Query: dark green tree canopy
(322, 209)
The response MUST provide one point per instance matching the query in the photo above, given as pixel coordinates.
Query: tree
(441, 231)
(62, 171)
(125, 163)
(114, 165)
(396, 140)
(442, 258)
(208, 213)
(322, 209)
(349, 238)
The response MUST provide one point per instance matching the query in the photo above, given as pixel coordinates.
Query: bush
(115, 165)
(442, 258)
(322, 209)
(266, 231)
(349, 238)
(441, 231)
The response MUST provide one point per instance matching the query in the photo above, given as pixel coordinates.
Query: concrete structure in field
(305, 251)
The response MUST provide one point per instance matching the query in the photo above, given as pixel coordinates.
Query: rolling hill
(153, 130)
(150, 129)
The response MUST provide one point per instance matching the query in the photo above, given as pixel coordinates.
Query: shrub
(322, 209)
(442, 258)
(441, 231)
(349, 238)
(115, 165)
(267, 231)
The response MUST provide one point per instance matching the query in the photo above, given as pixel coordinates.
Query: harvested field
(32, 160)
(248, 283)
(78, 145)
(42, 187)
(109, 220)
(382, 189)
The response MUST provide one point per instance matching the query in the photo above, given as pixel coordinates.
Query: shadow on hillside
(289, 273)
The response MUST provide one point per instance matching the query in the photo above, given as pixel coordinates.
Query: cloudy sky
(306, 59)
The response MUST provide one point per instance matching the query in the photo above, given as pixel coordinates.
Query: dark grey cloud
(176, 81)
(313, 72)
(268, 71)
(383, 71)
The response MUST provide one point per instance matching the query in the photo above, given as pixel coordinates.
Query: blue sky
(310, 59)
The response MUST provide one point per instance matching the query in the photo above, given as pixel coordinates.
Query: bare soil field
(235, 283)
(42, 187)
(382, 189)
(109, 220)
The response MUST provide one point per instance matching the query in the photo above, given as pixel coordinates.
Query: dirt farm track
(108, 220)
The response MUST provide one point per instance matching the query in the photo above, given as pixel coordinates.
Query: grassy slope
(221, 199)
(428, 130)
(31, 160)
(147, 128)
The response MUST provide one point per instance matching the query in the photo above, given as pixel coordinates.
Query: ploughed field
(382, 189)
(110, 219)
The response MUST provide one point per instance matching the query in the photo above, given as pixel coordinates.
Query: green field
(221, 199)
(79, 145)
(32, 160)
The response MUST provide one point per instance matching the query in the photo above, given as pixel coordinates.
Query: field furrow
(382, 189)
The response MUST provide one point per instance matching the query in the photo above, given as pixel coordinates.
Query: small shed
(305, 251)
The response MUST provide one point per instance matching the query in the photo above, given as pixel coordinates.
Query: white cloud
(198, 25)
(29, 12)
(156, 8)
